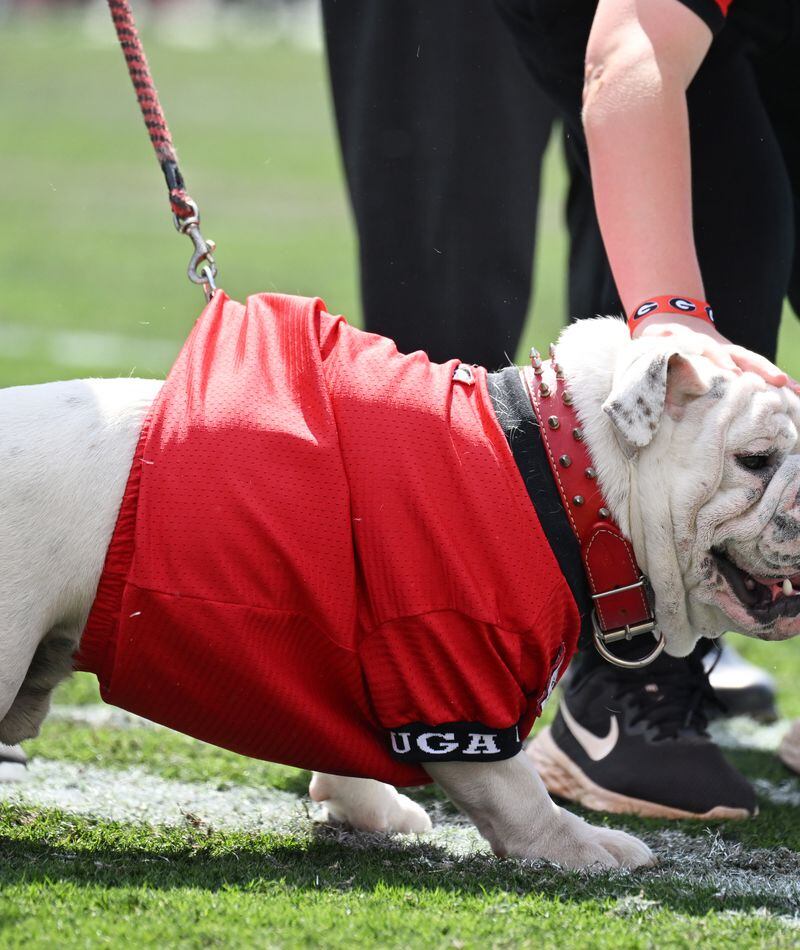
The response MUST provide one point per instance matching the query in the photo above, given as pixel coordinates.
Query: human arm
(640, 59)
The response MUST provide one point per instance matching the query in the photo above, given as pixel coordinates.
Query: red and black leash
(185, 214)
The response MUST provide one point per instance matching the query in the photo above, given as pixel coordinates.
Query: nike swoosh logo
(596, 747)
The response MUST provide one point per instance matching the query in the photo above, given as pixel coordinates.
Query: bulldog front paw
(367, 805)
(574, 843)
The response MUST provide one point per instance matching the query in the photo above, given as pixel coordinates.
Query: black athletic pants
(442, 136)
(442, 133)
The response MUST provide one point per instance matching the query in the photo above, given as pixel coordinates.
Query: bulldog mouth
(767, 599)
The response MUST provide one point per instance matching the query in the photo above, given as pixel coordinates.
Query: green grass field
(128, 834)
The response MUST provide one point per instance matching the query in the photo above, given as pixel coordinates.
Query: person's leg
(775, 55)
(442, 133)
(591, 288)
(744, 228)
(551, 37)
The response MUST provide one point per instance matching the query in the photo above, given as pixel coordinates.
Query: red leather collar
(620, 592)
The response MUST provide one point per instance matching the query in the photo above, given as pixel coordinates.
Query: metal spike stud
(567, 397)
(544, 390)
(552, 351)
(565, 461)
(577, 434)
(604, 513)
(553, 422)
(578, 500)
(590, 472)
(559, 372)
(537, 368)
(534, 355)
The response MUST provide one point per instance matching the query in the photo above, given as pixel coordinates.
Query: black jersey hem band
(453, 742)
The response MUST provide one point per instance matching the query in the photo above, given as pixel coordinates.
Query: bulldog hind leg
(367, 805)
(16, 653)
(50, 663)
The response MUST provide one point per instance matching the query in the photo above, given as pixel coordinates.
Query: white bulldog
(701, 467)
(698, 466)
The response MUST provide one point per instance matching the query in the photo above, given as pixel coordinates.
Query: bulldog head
(702, 469)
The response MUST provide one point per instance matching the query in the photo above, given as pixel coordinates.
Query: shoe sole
(13, 772)
(563, 778)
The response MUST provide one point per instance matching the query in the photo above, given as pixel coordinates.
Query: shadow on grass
(40, 847)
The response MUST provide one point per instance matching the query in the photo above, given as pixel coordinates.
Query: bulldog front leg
(511, 808)
(368, 805)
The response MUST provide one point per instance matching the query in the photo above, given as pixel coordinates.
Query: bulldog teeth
(749, 583)
(788, 590)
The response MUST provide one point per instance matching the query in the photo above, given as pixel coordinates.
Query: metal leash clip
(202, 267)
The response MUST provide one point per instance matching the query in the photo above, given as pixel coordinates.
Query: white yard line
(786, 792)
(741, 732)
(82, 348)
(133, 795)
(101, 716)
(730, 868)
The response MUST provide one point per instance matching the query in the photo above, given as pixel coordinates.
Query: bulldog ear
(653, 384)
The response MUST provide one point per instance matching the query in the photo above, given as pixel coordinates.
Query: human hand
(715, 347)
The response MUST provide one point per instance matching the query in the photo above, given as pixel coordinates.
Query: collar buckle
(621, 590)
(628, 632)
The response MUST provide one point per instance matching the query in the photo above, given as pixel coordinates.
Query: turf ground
(131, 834)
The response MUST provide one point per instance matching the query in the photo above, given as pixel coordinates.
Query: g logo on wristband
(686, 306)
(644, 309)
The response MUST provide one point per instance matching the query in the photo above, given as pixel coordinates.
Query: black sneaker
(13, 763)
(743, 688)
(635, 742)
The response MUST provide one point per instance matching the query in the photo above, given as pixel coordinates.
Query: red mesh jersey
(325, 555)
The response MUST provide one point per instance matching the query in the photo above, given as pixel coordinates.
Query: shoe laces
(673, 701)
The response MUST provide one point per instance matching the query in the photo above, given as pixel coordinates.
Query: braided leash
(185, 214)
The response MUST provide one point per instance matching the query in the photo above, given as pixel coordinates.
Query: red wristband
(685, 306)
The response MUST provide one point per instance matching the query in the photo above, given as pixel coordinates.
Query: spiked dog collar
(620, 592)
(514, 412)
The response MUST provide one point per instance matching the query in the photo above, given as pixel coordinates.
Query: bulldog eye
(754, 462)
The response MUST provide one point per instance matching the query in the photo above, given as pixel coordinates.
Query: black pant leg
(442, 133)
(775, 59)
(551, 37)
(742, 200)
(591, 288)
